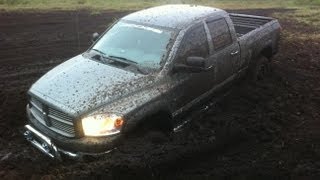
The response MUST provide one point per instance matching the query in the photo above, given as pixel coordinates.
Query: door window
(194, 44)
(220, 33)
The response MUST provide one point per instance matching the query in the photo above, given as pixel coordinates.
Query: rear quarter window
(220, 33)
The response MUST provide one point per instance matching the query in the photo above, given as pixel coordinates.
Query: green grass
(307, 11)
(139, 4)
(305, 15)
(301, 17)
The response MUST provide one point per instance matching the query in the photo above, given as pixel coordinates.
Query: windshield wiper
(130, 62)
(122, 59)
(102, 56)
(109, 59)
(100, 52)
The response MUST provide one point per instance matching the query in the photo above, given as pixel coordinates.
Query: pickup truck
(149, 67)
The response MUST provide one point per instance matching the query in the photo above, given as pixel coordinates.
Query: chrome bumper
(45, 145)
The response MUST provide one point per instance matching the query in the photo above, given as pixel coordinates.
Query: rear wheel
(259, 69)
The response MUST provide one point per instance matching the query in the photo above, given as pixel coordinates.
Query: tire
(159, 128)
(157, 137)
(259, 69)
(162, 122)
(157, 122)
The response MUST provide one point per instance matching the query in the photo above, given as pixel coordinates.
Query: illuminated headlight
(102, 125)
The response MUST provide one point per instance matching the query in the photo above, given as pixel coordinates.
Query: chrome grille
(55, 120)
(58, 114)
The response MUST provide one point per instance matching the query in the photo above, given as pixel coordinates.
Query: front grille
(52, 118)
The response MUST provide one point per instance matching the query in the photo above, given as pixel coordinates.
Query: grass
(139, 4)
(305, 15)
(307, 11)
(302, 16)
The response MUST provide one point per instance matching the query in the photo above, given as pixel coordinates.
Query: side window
(194, 43)
(220, 33)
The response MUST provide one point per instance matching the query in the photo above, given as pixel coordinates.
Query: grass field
(307, 11)
(138, 4)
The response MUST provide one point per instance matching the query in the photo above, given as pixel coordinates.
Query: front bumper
(46, 145)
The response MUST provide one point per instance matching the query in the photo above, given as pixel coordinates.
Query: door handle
(234, 53)
(209, 68)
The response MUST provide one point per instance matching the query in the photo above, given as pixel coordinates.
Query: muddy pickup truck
(149, 67)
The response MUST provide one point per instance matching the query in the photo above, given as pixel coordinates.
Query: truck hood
(81, 84)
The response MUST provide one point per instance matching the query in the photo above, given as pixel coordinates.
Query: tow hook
(28, 135)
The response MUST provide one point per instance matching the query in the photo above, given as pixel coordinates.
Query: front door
(189, 86)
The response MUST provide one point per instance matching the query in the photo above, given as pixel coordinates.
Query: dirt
(264, 130)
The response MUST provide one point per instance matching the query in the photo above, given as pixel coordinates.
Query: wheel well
(267, 52)
(160, 120)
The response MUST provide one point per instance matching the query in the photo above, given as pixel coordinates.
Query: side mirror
(95, 36)
(199, 62)
(193, 65)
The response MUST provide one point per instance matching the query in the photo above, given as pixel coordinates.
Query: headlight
(102, 125)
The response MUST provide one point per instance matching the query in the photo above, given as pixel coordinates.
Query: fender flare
(143, 112)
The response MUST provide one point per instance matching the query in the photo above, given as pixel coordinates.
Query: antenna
(77, 29)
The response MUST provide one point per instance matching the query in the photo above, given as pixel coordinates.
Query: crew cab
(148, 67)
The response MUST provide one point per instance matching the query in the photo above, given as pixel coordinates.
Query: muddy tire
(162, 122)
(158, 128)
(157, 137)
(259, 69)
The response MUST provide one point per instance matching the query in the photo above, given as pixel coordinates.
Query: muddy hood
(80, 85)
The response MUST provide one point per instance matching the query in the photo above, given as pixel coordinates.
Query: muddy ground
(264, 130)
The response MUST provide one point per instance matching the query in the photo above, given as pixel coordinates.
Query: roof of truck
(173, 16)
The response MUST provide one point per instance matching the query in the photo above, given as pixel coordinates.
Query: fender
(143, 112)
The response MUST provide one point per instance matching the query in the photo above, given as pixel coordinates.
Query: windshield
(143, 45)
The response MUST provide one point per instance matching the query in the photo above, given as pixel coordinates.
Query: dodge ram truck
(150, 66)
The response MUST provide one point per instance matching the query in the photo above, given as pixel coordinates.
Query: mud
(265, 130)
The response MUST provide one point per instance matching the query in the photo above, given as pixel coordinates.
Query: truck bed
(244, 24)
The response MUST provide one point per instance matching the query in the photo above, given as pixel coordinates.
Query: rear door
(225, 50)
